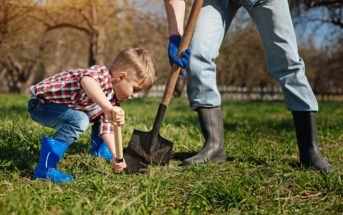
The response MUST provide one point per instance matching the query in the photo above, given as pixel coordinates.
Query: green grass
(262, 175)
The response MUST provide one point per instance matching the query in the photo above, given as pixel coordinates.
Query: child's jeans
(274, 23)
(68, 122)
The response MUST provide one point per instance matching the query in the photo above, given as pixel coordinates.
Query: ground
(262, 174)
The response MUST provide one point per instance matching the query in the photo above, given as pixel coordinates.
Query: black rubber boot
(306, 132)
(211, 122)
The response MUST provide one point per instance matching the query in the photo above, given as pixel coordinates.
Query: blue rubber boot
(50, 154)
(98, 146)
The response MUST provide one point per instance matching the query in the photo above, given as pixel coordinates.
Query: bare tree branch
(69, 25)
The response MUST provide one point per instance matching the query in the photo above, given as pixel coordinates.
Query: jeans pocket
(261, 3)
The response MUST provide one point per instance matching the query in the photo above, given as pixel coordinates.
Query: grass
(262, 175)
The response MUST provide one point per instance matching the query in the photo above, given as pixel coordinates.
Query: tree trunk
(92, 52)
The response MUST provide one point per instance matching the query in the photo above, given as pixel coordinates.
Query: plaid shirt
(64, 88)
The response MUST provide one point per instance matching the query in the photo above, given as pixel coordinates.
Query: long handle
(175, 71)
(118, 140)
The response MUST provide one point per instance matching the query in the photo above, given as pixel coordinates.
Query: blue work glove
(174, 43)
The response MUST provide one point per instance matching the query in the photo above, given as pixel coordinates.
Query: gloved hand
(174, 43)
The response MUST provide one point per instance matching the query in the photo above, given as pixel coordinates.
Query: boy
(69, 100)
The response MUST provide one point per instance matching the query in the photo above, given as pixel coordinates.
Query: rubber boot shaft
(211, 123)
(51, 153)
(307, 139)
(98, 146)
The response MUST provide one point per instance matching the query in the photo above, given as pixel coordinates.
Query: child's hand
(120, 117)
(118, 167)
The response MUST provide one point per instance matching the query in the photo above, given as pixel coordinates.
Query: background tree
(331, 10)
(324, 58)
(21, 45)
(39, 38)
(91, 18)
(74, 30)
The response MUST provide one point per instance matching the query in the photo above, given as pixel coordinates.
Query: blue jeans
(68, 122)
(274, 23)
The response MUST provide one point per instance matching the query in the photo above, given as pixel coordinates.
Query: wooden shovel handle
(175, 71)
(118, 140)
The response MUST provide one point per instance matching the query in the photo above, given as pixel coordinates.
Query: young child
(69, 100)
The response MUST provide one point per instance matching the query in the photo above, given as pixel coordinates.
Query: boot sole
(219, 159)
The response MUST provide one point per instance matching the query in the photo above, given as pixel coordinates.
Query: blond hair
(138, 65)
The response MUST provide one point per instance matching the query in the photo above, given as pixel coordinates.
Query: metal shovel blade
(146, 148)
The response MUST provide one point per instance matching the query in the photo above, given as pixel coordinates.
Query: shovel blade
(145, 148)
(134, 163)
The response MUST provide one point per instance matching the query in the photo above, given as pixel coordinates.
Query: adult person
(274, 23)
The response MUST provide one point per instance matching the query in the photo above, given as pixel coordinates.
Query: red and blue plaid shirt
(65, 88)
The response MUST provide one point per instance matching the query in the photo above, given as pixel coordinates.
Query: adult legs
(275, 26)
(213, 22)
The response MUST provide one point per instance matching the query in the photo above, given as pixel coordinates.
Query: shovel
(147, 148)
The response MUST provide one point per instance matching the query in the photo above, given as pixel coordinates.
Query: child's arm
(94, 91)
(109, 140)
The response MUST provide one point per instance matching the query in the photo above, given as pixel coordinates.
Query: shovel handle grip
(118, 140)
(175, 71)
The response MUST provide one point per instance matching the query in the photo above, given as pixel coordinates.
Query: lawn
(262, 174)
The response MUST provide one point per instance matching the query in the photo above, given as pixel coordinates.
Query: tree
(325, 62)
(53, 37)
(20, 53)
(90, 17)
(12, 17)
(333, 10)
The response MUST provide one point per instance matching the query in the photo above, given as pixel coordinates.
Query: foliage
(333, 10)
(323, 71)
(20, 53)
(60, 35)
(41, 38)
(262, 175)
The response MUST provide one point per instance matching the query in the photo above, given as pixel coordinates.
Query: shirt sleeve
(105, 126)
(95, 72)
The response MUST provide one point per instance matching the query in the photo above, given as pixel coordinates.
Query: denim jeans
(68, 122)
(274, 23)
